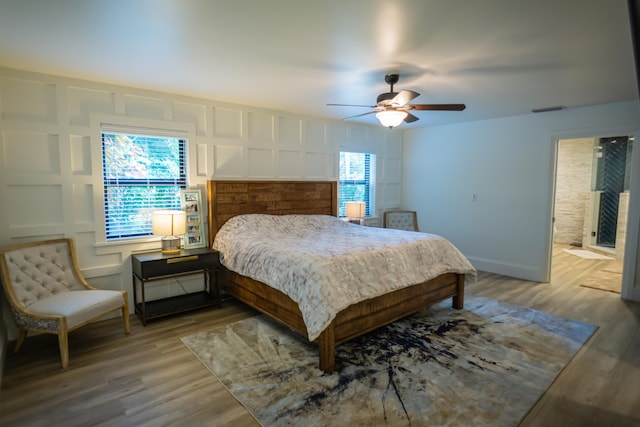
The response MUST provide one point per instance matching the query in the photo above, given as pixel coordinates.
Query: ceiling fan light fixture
(391, 118)
(392, 107)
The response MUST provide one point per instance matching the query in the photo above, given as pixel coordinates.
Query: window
(357, 180)
(142, 173)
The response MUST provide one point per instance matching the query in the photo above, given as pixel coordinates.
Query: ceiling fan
(393, 108)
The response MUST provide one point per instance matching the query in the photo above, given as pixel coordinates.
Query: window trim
(109, 183)
(100, 122)
(370, 189)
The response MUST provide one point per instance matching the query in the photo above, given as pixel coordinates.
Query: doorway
(590, 208)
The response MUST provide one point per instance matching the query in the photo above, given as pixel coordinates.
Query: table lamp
(355, 211)
(169, 224)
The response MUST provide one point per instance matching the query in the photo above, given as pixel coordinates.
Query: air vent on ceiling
(544, 110)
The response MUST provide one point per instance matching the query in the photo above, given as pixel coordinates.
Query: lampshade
(169, 224)
(391, 118)
(355, 209)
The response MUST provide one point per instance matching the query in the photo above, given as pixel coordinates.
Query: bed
(317, 201)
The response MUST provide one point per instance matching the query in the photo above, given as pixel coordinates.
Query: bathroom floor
(572, 270)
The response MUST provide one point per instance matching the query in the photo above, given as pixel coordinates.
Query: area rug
(486, 365)
(587, 254)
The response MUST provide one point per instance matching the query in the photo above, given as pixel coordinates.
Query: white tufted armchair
(401, 220)
(47, 293)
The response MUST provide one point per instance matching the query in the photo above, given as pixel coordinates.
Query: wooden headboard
(230, 198)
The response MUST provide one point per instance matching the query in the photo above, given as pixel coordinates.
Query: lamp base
(170, 245)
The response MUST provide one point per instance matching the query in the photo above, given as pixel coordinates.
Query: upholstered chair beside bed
(48, 294)
(401, 220)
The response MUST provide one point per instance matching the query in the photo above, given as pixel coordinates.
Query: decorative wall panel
(82, 203)
(191, 113)
(80, 155)
(393, 146)
(142, 107)
(261, 128)
(28, 101)
(391, 169)
(357, 134)
(289, 164)
(94, 265)
(260, 163)
(108, 283)
(391, 193)
(290, 131)
(313, 134)
(227, 123)
(201, 160)
(32, 153)
(83, 102)
(22, 210)
(228, 161)
(315, 165)
(337, 135)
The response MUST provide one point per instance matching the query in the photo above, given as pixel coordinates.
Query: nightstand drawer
(156, 265)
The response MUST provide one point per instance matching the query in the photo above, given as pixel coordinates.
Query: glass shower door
(612, 163)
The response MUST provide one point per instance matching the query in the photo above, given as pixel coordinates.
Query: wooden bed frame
(227, 199)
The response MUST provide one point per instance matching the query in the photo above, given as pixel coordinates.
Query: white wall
(510, 164)
(50, 159)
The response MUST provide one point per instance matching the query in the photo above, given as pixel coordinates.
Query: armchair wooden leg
(125, 317)
(21, 337)
(63, 342)
(125, 313)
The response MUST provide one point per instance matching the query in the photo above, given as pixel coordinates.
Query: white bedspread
(325, 264)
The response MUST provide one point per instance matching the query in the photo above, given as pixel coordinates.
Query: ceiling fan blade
(436, 107)
(403, 97)
(410, 118)
(351, 105)
(360, 115)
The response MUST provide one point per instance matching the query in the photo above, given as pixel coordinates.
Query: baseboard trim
(512, 270)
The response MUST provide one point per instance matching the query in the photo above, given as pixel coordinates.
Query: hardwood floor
(150, 378)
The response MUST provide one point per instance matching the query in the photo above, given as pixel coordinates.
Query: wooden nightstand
(153, 266)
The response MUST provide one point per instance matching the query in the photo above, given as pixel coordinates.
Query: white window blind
(357, 180)
(142, 173)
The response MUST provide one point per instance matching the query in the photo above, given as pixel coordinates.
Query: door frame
(630, 281)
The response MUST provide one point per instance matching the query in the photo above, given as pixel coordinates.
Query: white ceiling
(499, 57)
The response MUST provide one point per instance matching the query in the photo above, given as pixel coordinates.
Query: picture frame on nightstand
(191, 203)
